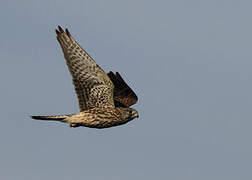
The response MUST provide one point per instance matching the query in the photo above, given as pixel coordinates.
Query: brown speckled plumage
(104, 99)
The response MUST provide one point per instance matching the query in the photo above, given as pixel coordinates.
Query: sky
(189, 62)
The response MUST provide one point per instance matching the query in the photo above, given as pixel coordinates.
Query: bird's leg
(73, 124)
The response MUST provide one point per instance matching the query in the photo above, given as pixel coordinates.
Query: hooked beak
(136, 115)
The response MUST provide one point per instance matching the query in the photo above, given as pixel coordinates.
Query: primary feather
(104, 99)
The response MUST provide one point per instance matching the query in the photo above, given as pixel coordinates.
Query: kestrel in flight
(104, 99)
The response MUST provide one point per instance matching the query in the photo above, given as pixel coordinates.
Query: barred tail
(51, 118)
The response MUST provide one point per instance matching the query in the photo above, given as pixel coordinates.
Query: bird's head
(130, 114)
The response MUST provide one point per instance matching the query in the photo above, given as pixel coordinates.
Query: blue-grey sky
(190, 62)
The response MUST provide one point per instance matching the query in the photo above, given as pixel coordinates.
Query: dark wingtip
(118, 75)
(68, 33)
(60, 29)
(57, 32)
(112, 76)
(110, 73)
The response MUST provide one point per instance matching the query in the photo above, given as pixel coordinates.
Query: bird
(104, 98)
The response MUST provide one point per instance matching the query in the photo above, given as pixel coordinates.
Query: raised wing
(92, 85)
(124, 96)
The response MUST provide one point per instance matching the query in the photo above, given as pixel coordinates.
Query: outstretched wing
(92, 85)
(124, 96)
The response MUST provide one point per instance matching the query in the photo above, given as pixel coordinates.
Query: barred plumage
(104, 99)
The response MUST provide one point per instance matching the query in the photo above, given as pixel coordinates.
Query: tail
(52, 118)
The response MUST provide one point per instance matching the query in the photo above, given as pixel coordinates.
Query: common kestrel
(104, 99)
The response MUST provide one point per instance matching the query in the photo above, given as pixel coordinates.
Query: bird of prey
(104, 99)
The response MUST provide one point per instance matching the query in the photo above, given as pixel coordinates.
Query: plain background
(189, 62)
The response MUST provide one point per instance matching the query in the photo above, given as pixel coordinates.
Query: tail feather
(51, 118)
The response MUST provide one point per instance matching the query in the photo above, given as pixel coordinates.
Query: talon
(73, 125)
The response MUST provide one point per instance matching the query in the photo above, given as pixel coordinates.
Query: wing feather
(92, 85)
(124, 96)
